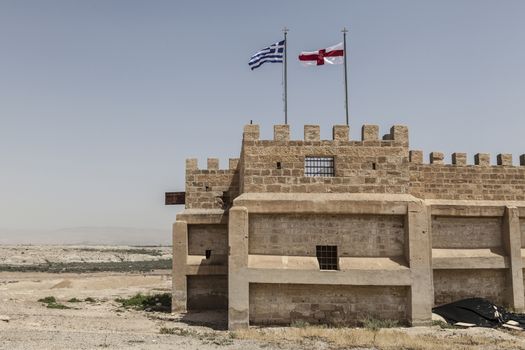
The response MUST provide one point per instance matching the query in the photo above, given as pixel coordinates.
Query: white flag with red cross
(330, 55)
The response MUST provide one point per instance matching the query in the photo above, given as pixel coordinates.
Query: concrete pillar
(238, 286)
(180, 251)
(512, 245)
(419, 258)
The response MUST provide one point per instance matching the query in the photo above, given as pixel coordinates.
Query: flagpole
(346, 76)
(285, 31)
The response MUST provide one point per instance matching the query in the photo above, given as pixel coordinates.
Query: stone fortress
(333, 231)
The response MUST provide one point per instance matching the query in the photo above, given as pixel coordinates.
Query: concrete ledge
(191, 270)
(203, 216)
(467, 210)
(445, 259)
(311, 263)
(357, 277)
(332, 203)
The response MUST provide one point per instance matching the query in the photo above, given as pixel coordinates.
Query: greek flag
(273, 53)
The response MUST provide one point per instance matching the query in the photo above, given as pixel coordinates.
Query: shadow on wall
(214, 319)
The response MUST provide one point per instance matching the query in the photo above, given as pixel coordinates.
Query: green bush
(156, 302)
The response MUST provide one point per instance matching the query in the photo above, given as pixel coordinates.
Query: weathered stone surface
(409, 235)
(283, 304)
(452, 285)
(354, 235)
(207, 292)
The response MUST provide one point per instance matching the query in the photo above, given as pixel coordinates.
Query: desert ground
(87, 315)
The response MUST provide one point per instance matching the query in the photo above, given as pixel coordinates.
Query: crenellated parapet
(460, 159)
(397, 134)
(479, 180)
(211, 188)
(370, 165)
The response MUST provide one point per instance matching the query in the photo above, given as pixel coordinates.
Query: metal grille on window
(327, 256)
(319, 166)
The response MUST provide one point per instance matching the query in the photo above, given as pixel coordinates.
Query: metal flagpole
(285, 31)
(346, 78)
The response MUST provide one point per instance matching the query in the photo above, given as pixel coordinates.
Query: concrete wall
(452, 285)
(335, 304)
(207, 292)
(298, 234)
(208, 236)
(466, 232)
(522, 230)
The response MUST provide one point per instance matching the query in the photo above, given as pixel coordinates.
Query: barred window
(319, 166)
(326, 256)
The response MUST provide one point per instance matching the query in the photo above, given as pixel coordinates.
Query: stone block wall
(480, 181)
(354, 235)
(202, 237)
(466, 232)
(452, 285)
(211, 188)
(283, 304)
(207, 292)
(370, 165)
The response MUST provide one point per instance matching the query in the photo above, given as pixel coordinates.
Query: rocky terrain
(42, 310)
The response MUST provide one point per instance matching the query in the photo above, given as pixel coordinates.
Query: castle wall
(327, 304)
(202, 237)
(452, 285)
(211, 188)
(367, 166)
(480, 181)
(466, 232)
(207, 292)
(354, 235)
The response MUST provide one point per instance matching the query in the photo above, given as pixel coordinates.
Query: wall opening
(327, 257)
(319, 166)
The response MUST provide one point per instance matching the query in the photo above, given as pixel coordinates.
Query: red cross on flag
(331, 55)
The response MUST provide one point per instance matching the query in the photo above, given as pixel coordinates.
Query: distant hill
(87, 235)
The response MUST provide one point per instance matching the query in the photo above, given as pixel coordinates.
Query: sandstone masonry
(407, 234)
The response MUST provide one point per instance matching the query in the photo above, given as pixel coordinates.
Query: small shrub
(299, 324)
(375, 324)
(90, 300)
(74, 300)
(157, 302)
(51, 303)
(177, 331)
(47, 300)
(444, 325)
(57, 306)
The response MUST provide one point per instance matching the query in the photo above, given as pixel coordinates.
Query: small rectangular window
(319, 166)
(327, 257)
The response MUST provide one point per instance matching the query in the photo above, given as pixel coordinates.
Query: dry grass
(387, 339)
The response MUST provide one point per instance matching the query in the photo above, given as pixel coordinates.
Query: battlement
(192, 165)
(460, 159)
(281, 133)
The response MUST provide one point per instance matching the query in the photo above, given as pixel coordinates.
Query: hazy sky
(101, 101)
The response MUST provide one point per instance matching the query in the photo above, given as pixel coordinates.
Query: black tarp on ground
(480, 312)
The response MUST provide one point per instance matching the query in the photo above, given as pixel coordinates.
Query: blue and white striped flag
(273, 53)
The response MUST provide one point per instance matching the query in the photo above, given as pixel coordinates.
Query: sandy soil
(26, 323)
